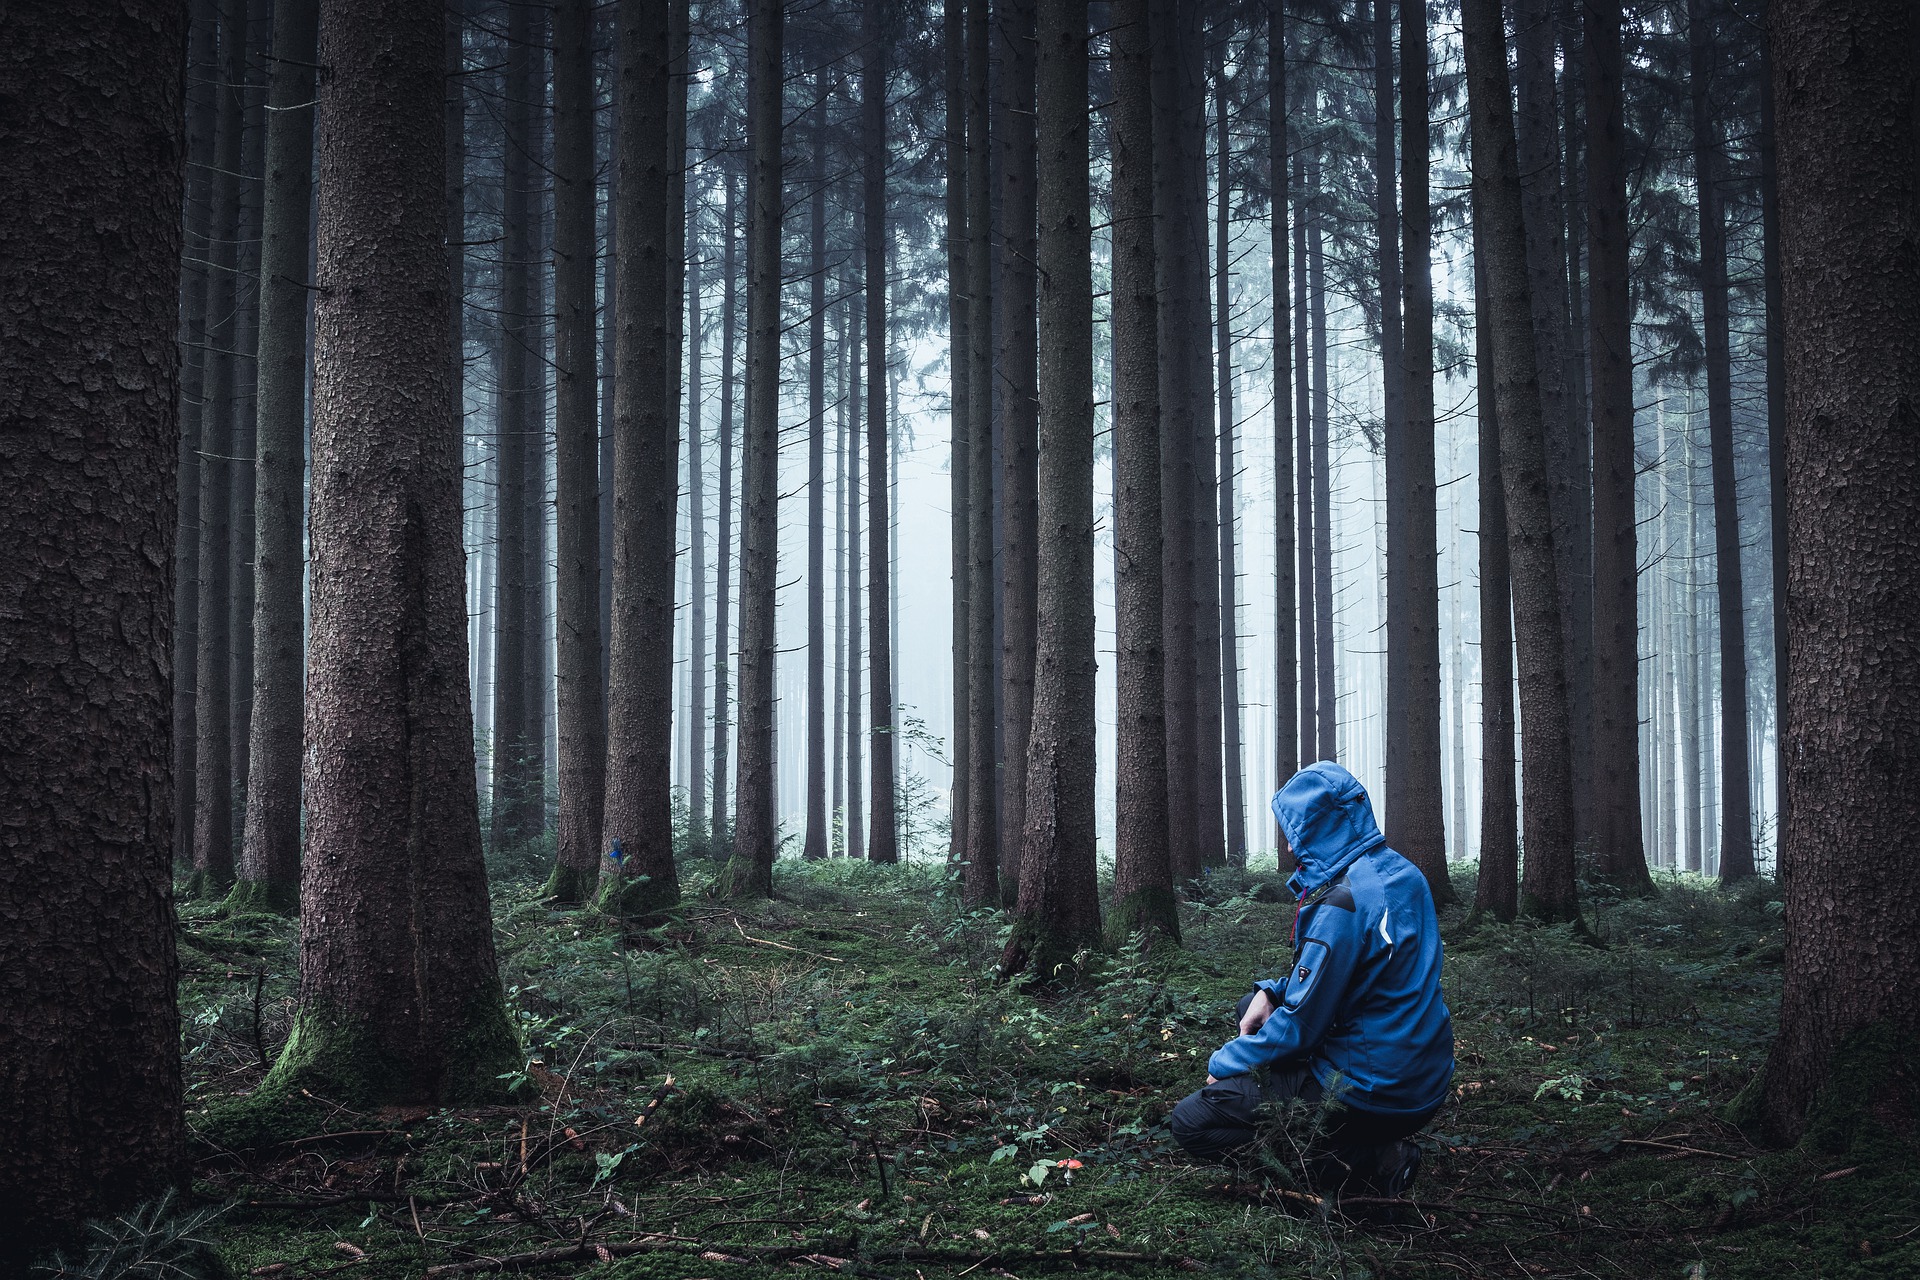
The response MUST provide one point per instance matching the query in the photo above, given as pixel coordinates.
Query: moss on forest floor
(851, 1084)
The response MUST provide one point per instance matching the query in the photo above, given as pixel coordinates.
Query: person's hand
(1211, 1080)
(1257, 1013)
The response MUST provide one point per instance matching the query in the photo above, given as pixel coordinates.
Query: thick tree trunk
(515, 814)
(1547, 889)
(1736, 804)
(400, 1001)
(639, 792)
(1393, 377)
(749, 873)
(1844, 75)
(723, 563)
(1496, 893)
(1235, 780)
(981, 881)
(1019, 423)
(884, 844)
(581, 713)
(1568, 466)
(1058, 914)
(1143, 897)
(1174, 248)
(819, 840)
(1417, 813)
(93, 145)
(246, 392)
(269, 873)
(1303, 417)
(1286, 667)
(959, 420)
(1615, 790)
(213, 679)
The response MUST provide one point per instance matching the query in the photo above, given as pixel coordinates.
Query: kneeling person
(1359, 1017)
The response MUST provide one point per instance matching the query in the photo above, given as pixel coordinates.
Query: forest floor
(853, 1091)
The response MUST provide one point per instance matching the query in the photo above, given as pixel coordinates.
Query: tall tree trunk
(1496, 893)
(1326, 690)
(818, 837)
(1776, 421)
(1687, 656)
(515, 813)
(697, 837)
(1303, 489)
(1019, 424)
(1615, 790)
(749, 873)
(1174, 248)
(723, 563)
(213, 680)
(1547, 889)
(638, 826)
(269, 877)
(1235, 780)
(400, 1001)
(1058, 913)
(582, 714)
(1568, 467)
(93, 144)
(1417, 814)
(884, 845)
(1850, 1012)
(246, 338)
(1286, 667)
(1736, 805)
(609, 334)
(197, 218)
(856, 819)
(981, 881)
(842, 565)
(1399, 471)
(1143, 897)
(953, 36)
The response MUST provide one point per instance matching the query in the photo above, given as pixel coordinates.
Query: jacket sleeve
(1332, 945)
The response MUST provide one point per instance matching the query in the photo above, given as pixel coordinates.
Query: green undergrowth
(853, 1090)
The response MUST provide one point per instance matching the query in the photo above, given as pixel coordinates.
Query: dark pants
(1224, 1116)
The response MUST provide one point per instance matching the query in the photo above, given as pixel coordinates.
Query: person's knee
(1209, 1126)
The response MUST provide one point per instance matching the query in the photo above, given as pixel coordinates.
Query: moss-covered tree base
(1154, 912)
(263, 898)
(1043, 955)
(331, 1056)
(635, 897)
(570, 886)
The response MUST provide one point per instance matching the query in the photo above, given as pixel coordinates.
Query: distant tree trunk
(679, 77)
(749, 873)
(609, 333)
(246, 392)
(959, 357)
(639, 792)
(1143, 897)
(842, 570)
(213, 680)
(1776, 422)
(515, 813)
(1303, 400)
(1018, 426)
(856, 819)
(1326, 691)
(1615, 791)
(1497, 891)
(1399, 472)
(1173, 249)
(400, 1001)
(1286, 667)
(93, 143)
(723, 564)
(981, 881)
(1235, 780)
(884, 846)
(1417, 814)
(1687, 661)
(1058, 913)
(1569, 478)
(269, 877)
(697, 837)
(581, 713)
(1850, 1012)
(818, 838)
(197, 219)
(1547, 890)
(1736, 805)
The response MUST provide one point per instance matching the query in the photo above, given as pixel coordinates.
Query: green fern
(158, 1240)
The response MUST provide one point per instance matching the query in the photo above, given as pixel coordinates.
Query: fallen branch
(1676, 1150)
(767, 942)
(606, 1251)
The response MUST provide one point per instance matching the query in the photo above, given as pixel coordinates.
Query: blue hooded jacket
(1362, 1002)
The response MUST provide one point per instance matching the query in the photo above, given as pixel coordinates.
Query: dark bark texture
(1844, 82)
(400, 1001)
(959, 344)
(883, 844)
(1286, 671)
(92, 138)
(1496, 893)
